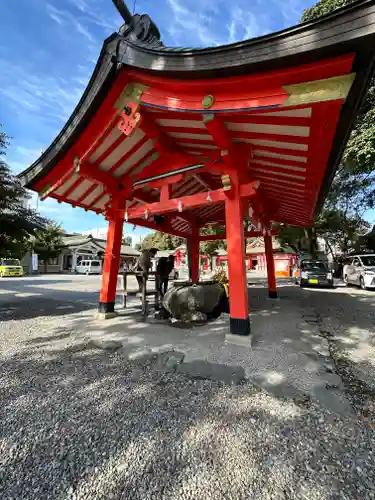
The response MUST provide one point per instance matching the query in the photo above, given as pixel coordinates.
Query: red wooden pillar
(250, 262)
(272, 293)
(193, 256)
(111, 266)
(238, 296)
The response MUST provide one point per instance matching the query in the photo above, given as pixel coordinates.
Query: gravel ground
(346, 318)
(82, 423)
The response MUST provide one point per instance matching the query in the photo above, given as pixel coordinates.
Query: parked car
(314, 272)
(360, 271)
(10, 267)
(89, 267)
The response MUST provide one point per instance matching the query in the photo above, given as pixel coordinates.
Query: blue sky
(48, 49)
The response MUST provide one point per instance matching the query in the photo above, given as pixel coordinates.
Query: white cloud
(21, 157)
(93, 12)
(66, 19)
(193, 23)
(243, 25)
(49, 96)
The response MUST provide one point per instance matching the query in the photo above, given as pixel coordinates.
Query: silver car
(360, 271)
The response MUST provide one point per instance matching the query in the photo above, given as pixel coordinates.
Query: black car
(315, 273)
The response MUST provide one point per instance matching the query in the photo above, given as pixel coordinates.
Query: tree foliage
(17, 222)
(210, 247)
(48, 243)
(323, 7)
(162, 241)
(341, 222)
(366, 243)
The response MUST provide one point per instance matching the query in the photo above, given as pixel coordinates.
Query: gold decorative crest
(131, 93)
(328, 89)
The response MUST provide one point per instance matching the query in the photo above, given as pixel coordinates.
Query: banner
(34, 262)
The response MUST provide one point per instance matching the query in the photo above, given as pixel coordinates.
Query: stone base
(241, 340)
(272, 294)
(105, 315)
(106, 307)
(240, 326)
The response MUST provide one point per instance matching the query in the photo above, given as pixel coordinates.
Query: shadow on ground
(91, 424)
(288, 357)
(21, 308)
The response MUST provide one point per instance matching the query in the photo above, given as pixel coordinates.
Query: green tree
(17, 222)
(366, 242)
(353, 188)
(211, 247)
(48, 243)
(341, 222)
(323, 7)
(161, 241)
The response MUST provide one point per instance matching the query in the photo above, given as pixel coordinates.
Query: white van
(89, 267)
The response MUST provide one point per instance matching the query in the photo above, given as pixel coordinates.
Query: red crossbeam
(60, 182)
(248, 234)
(188, 202)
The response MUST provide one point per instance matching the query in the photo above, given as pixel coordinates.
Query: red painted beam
(89, 171)
(61, 199)
(218, 131)
(95, 201)
(276, 162)
(188, 202)
(60, 182)
(238, 117)
(164, 183)
(325, 68)
(92, 133)
(128, 175)
(165, 228)
(238, 134)
(162, 142)
(170, 163)
(165, 192)
(73, 187)
(248, 234)
(257, 148)
(128, 154)
(87, 193)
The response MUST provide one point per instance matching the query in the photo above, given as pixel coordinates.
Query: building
(101, 234)
(284, 258)
(176, 138)
(79, 247)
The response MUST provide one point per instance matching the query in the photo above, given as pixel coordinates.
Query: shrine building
(174, 138)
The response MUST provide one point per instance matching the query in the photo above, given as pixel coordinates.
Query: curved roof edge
(349, 29)
(100, 82)
(341, 27)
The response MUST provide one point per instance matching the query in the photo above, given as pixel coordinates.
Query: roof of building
(76, 240)
(303, 87)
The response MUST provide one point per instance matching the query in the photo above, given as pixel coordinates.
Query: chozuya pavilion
(175, 138)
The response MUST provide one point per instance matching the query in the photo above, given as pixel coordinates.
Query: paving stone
(205, 370)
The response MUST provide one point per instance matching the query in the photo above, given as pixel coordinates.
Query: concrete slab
(286, 354)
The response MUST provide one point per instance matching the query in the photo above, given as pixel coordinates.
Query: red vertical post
(272, 292)
(193, 255)
(238, 295)
(111, 266)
